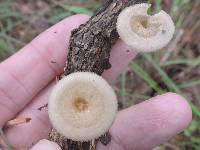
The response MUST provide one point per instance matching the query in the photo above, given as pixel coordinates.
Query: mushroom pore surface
(143, 32)
(142, 26)
(82, 106)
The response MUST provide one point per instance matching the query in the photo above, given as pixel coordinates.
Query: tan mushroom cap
(143, 32)
(82, 106)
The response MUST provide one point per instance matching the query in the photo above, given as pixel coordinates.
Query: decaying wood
(90, 44)
(89, 50)
(105, 139)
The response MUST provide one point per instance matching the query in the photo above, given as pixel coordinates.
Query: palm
(27, 78)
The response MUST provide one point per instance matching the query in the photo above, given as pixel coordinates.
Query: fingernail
(45, 144)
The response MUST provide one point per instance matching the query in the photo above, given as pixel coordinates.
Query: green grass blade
(192, 62)
(123, 92)
(59, 16)
(169, 82)
(75, 9)
(158, 5)
(2, 35)
(145, 76)
(195, 109)
(189, 84)
(80, 10)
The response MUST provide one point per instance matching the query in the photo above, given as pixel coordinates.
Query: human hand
(27, 78)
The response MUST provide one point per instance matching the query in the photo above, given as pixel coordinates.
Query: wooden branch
(89, 50)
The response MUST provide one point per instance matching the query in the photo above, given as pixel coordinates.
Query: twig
(17, 121)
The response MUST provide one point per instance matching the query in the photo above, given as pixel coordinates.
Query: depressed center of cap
(80, 104)
(143, 32)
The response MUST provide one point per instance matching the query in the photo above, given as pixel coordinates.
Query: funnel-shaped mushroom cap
(82, 106)
(143, 32)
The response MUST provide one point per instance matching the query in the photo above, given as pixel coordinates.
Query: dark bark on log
(90, 44)
(89, 50)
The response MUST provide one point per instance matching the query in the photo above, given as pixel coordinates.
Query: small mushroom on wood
(82, 106)
(89, 50)
(143, 32)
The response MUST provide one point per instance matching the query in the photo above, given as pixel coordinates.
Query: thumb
(45, 144)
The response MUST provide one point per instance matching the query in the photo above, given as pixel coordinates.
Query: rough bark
(89, 50)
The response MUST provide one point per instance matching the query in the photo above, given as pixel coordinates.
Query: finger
(36, 126)
(28, 83)
(120, 57)
(119, 52)
(45, 144)
(150, 123)
(23, 75)
(141, 113)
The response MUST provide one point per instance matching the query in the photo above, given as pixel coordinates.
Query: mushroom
(143, 32)
(82, 106)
